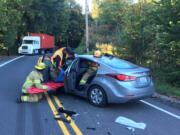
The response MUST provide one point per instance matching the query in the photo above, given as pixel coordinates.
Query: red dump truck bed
(47, 41)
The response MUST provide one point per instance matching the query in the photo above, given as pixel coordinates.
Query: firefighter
(60, 55)
(91, 71)
(34, 79)
(46, 72)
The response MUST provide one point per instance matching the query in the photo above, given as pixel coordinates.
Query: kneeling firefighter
(34, 79)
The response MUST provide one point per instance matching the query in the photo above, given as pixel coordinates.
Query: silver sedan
(107, 79)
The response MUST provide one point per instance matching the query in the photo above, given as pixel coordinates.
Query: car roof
(93, 58)
(90, 57)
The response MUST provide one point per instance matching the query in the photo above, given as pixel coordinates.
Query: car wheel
(97, 96)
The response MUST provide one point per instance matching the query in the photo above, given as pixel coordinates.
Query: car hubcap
(96, 96)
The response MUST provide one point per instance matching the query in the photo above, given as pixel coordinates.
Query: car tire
(97, 96)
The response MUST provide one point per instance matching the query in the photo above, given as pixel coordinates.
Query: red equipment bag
(52, 85)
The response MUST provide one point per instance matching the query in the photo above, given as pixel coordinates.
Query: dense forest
(146, 33)
(61, 18)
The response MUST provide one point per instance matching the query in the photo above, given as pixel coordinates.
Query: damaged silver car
(108, 79)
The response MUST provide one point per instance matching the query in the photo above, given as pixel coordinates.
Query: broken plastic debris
(91, 128)
(68, 112)
(77, 114)
(58, 117)
(130, 123)
(131, 129)
(97, 115)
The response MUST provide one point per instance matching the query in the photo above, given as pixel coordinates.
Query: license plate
(142, 80)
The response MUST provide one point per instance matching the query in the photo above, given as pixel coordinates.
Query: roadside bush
(173, 78)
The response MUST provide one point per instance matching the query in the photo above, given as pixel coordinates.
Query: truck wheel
(97, 96)
(35, 52)
(42, 52)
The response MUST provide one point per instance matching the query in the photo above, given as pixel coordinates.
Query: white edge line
(160, 109)
(7, 62)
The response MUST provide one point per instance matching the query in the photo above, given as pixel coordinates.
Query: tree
(107, 27)
(75, 28)
(139, 30)
(9, 12)
(168, 35)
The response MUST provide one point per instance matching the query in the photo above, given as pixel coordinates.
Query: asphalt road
(161, 118)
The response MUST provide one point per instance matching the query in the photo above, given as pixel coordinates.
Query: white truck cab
(30, 45)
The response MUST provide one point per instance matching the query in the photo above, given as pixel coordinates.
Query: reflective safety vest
(34, 79)
(59, 53)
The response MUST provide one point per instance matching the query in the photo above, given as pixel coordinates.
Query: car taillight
(122, 77)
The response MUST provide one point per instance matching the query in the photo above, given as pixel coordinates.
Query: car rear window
(118, 63)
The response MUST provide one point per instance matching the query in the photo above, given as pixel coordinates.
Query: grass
(167, 89)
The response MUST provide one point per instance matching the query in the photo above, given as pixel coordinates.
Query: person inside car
(90, 72)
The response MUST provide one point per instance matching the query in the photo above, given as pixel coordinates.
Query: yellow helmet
(40, 66)
(97, 53)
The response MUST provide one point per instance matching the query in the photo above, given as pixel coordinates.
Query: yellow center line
(60, 123)
(72, 123)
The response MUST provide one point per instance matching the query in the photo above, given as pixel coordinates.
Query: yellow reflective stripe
(27, 85)
(40, 86)
(37, 81)
(82, 82)
(44, 87)
(57, 53)
(28, 82)
(24, 98)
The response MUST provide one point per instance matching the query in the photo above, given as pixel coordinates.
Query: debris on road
(131, 129)
(58, 117)
(91, 128)
(67, 112)
(75, 115)
(130, 123)
(97, 115)
(45, 119)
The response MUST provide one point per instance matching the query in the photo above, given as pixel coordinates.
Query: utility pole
(87, 29)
